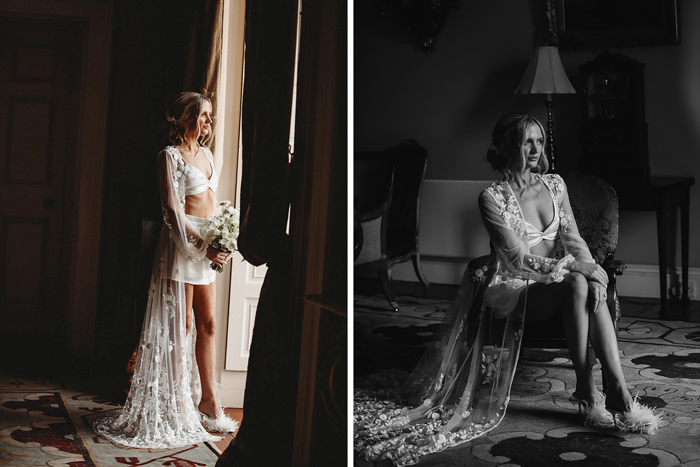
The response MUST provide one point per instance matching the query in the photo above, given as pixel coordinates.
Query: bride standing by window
(173, 400)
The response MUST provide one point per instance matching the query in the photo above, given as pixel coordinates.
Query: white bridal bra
(195, 181)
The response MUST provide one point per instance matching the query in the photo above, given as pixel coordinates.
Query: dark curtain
(203, 56)
(294, 410)
(267, 105)
(266, 435)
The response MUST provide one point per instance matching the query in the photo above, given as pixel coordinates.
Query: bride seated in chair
(461, 386)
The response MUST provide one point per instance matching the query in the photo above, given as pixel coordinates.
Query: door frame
(83, 246)
(231, 384)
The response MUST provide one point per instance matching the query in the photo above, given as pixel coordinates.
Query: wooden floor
(236, 414)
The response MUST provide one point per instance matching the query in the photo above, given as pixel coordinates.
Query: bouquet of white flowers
(223, 231)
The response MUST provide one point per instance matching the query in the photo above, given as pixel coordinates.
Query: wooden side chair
(387, 218)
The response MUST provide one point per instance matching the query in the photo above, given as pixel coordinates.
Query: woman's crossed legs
(581, 323)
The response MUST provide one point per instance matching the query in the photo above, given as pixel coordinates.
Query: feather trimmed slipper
(595, 413)
(221, 424)
(637, 418)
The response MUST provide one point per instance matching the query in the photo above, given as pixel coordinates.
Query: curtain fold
(267, 106)
(203, 55)
(266, 435)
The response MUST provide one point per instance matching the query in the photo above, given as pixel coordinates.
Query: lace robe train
(460, 388)
(161, 409)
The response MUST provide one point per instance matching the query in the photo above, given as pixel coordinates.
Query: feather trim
(638, 418)
(222, 424)
(598, 417)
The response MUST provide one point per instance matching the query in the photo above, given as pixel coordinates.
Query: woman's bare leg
(604, 340)
(570, 297)
(204, 303)
(580, 324)
(189, 292)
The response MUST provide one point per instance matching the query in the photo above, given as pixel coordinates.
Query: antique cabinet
(614, 131)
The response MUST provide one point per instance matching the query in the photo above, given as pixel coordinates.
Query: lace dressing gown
(161, 409)
(460, 388)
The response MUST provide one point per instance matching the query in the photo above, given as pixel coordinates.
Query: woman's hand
(591, 271)
(217, 257)
(598, 294)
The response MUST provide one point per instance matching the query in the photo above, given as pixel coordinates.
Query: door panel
(37, 131)
(28, 159)
(24, 282)
(246, 282)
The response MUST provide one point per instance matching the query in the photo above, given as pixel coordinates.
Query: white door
(246, 281)
(244, 291)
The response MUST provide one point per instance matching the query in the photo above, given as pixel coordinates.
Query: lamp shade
(545, 74)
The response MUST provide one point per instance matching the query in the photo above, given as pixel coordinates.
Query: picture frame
(613, 23)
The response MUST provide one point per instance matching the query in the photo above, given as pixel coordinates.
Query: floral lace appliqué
(518, 334)
(540, 264)
(555, 269)
(170, 303)
(490, 361)
(565, 221)
(479, 274)
(556, 186)
(508, 207)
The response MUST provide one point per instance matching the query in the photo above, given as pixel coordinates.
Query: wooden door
(39, 80)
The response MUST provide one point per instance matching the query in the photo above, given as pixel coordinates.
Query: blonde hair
(183, 117)
(508, 135)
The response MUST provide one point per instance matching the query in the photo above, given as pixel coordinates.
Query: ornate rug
(42, 424)
(661, 361)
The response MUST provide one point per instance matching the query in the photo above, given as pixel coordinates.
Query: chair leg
(419, 270)
(388, 292)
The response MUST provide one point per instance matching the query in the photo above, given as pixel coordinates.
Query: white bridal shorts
(198, 273)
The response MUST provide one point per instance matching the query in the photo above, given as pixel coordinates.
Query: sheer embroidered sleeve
(505, 227)
(171, 169)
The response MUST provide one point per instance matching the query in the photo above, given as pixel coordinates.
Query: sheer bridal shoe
(636, 418)
(595, 413)
(221, 424)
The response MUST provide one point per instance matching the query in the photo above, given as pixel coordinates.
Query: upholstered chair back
(596, 210)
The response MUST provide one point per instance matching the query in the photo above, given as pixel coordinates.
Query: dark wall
(450, 100)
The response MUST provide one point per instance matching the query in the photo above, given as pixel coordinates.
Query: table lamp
(545, 75)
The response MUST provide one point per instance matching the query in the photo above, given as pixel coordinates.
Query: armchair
(387, 187)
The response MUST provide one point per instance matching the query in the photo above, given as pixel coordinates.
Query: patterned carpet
(42, 424)
(661, 361)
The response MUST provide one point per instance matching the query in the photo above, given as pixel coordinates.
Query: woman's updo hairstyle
(506, 139)
(183, 116)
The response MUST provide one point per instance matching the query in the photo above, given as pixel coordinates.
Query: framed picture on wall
(614, 23)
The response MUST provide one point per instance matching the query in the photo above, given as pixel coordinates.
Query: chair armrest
(613, 266)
